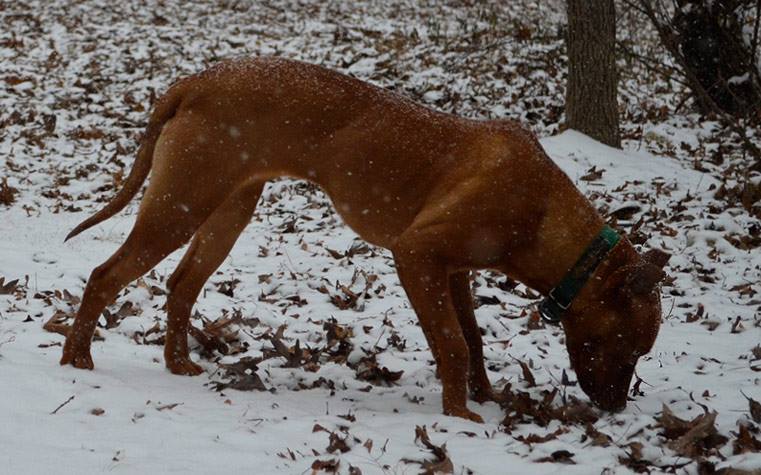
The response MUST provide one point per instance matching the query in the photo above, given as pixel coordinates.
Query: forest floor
(313, 358)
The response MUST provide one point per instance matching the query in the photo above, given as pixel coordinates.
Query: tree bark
(591, 105)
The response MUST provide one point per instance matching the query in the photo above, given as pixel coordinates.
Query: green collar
(560, 298)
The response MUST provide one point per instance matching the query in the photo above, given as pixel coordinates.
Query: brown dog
(444, 194)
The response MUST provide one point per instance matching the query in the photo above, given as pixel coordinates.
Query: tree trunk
(591, 105)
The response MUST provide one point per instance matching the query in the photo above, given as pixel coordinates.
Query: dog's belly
(376, 210)
(377, 222)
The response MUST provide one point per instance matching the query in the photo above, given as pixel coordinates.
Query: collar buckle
(551, 311)
(558, 302)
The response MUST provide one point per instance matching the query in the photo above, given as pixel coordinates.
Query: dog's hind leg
(462, 298)
(170, 213)
(153, 237)
(209, 248)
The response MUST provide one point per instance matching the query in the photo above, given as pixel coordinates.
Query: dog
(446, 195)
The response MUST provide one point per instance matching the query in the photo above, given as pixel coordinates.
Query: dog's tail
(163, 111)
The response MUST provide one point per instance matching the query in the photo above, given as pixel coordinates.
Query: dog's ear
(645, 276)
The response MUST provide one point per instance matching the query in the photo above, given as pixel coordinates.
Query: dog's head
(614, 321)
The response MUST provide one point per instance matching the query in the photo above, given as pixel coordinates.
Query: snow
(237, 431)
(296, 247)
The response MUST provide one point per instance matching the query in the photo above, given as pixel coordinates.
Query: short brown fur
(445, 194)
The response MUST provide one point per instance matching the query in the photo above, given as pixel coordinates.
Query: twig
(62, 404)
(652, 65)
(383, 331)
(754, 43)
(632, 4)
(9, 340)
(666, 32)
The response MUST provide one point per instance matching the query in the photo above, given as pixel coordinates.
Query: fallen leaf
(441, 462)
(242, 376)
(559, 456)
(330, 466)
(745, 442)
(527, 375)
(592, 174)
(754, 407)
(368, 369)
(337, 443)
(8, 287)
(695, 438)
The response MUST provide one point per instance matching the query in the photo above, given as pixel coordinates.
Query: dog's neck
(569, 225)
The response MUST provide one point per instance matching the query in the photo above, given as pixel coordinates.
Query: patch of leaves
(336, 441)
(596, 437)
(745, 441)
(754, 408)
(746, 195)
(7, 193)
(592, 174)
(441, 462)
(242, 376)
(328, 466)
(559, 456)
(528, 376)
(7, 288)
(706, 467)
(694, 438)
(339, 345)
(368, 369)
(357, 248)
(57, 323)
(152, 336)
(347, 297)
(295, 356)
(635, 461)
(218, 337)
(113, 319)
(227, 287)
(541, 439)
(521, 408)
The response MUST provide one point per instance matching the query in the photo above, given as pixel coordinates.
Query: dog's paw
(77, 358)
(464, 413)
(184, 367)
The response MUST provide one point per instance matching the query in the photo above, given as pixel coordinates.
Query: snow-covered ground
(93, 68)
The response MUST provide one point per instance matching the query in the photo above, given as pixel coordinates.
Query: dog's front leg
(425, 278)
(462, 298)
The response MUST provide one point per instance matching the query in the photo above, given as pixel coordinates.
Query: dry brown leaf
(242, 376)
(330, 466)
(441, 463)
(754, 407)
(527, 375)
(745, 442)
(692, 439)
(559, 456)
(368, 369)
